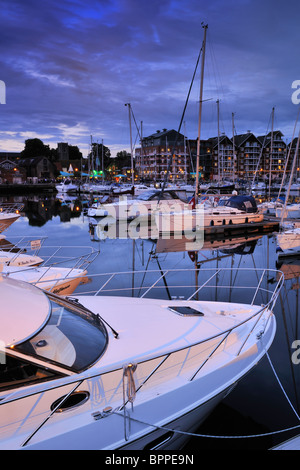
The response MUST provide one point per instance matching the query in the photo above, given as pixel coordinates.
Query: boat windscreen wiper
(96, 316)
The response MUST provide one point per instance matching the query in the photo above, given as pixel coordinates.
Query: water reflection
(258, 399)
(39, 209)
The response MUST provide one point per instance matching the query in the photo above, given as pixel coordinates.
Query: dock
(25, 188)
(266, 226)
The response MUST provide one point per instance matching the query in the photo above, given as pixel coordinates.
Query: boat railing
(57, 257)
(11, 207)
(178, 365)
(22, 245)
(170, 282)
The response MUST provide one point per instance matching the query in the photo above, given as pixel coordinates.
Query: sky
(69, 67)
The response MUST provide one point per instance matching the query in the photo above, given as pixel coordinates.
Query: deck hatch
(186, 311)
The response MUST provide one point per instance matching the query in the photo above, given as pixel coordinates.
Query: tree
(74, 152)
(35, 148)
(123, 159)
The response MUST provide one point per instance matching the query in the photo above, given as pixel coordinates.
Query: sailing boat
(288, 241)
(290, 211)
(234, 211)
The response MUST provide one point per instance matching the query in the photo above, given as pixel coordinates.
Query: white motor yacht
(66, 186)
(142, 206)
(9, 213)
(19, 259)
(288, 241)
(289, 211)
(58, 280)
(112, 372)
(236, 210)
(48, 267)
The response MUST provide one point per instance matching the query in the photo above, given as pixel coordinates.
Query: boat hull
(291, 212)
(161, 421)
(190, 220)
(288, 242)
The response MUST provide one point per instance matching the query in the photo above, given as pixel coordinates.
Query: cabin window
(73, 337)
(16, 372)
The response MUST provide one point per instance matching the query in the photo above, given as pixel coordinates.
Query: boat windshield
(73, 337)
(155, 195)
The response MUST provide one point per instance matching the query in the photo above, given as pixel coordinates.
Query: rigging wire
(179, 127)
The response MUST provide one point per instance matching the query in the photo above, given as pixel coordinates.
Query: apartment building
(221, 158)
(158, 151)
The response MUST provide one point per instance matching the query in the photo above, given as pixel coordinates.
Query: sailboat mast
(200, 115)
(290, 182)
(233, 150)
(218, 160)
(102, 162)
(131, 151)
(271, 155)
(185, 166)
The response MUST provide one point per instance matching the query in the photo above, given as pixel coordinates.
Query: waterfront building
(274, 154)
(156, 151)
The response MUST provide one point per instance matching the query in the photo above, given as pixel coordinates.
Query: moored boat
(142, 383)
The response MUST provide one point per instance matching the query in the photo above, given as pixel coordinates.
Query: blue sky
(70, 66)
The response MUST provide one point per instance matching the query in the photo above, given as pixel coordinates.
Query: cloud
(70, 66)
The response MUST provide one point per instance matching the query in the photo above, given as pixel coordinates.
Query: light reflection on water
(257, 404)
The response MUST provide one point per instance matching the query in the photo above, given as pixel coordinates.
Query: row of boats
(121, 368)
(170, 212)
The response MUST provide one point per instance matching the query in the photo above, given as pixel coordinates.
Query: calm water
(257, 405)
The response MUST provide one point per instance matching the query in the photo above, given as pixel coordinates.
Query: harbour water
(258, 406)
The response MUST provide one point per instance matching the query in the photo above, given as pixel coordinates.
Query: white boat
(48, 267)
(143, 205)
(140, 189)
(19, 259)
(21, 251)
(236, 210)
(58, 280)
(290, 211)
(288, 242)
(141, 383)
(9, 213)
(122, 188)
(66, 186)
(270, 207)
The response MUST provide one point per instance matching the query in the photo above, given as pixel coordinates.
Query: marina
(150, 272)
(264, 403)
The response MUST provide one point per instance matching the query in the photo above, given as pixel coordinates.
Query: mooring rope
(251, 436)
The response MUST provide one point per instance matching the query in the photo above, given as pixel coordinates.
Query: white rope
(228, 437)
(285, 394)
(208, 435)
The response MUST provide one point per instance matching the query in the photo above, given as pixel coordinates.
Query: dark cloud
(71, 65)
